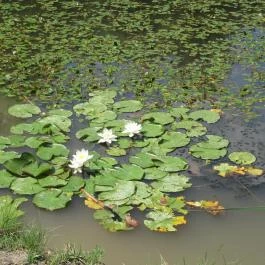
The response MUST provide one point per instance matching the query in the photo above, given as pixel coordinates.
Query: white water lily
(107, 136)
(131, 128)
(79, 159)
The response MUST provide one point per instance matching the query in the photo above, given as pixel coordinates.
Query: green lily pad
(50, 151)
(180, 112)
(4, 142)
(60, 112)
(6, 156)
(125, 143)
(116, 151)
(193, 128)
(24, 110)
(26, 186)
(205, 115)
(158, 117)
(173, 164)
(74, 184)
(152, 130)
(25, 127)
(127, 106)
(154, 173)
(55, 123)
(212, 149)
(122, 190)
(88, 134)
(37, 170)
(52, 181)
(172, 183)
(242, 158)
(105, 97)
(89, 109)
(103, 117)
(172, 140)
(6, 179)
(17, 140)
(162, 221)
(144, 160)
(35, 142)
(52, 199)
(16, 165)
(129, 172)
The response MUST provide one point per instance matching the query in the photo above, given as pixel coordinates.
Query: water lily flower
(132, 128)
(107, 136)
(79, 159)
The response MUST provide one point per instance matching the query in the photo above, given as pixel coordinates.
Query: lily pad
(127, 106)
(88, 134)
(172, 183)
(172, 140)
(225, 169)
(152, 130)
(61, 112)
(88, 108)
(122, 190)
(212, 149)
(37, 170)
(26, 186)
(6, 179)
(193, 128)
(4, 142)
(180, 112)
(129, 172)
(6, 156)
(74, 184)
(52, 181)
(48, 152)
(242, 158)
(16, 165)
(158, 117)
(154, 173)
(116, 151)
(163, 222)
(24, 110)
(173, 164)
(52, 199)
(205, 115)
(144, 160)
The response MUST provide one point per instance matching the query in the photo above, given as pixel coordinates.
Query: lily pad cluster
(132, 171)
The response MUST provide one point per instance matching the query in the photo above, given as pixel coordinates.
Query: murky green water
(236, 235)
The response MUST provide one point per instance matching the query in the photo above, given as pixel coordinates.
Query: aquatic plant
(140, 172)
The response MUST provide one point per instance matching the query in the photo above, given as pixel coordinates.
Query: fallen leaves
(212, 207)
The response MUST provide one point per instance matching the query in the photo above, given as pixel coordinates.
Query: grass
(32, 240)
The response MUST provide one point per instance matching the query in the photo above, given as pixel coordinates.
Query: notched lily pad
(127, 105)
(205, 115)
(24, 110)
(52, 199)
(242, 158)
(26, 186)
(152, 130)
(158, 117)
(6, 179)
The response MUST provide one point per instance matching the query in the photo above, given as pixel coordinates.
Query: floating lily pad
(122, 190)
(50, 151)
(172, 183)
(35, 142)
(242, 158)
(16, 165)
(26, 186)
(6, 156)
(17, 140)
(224, 169)
(88, 134)
(129, 172)
(37, 170)
(4, 142)
(152, 130)
(193, 128)
(21, 128)
(163, 222)
(144, 160)
(128, 105)
(180, 112)
(116, 151)
(103, 117)
(52, 181)
(24, 110)
(52, 199)
(158, 117)
(205, 115)
(154, 173)
(74, 184)
(6, 179)
(173, 164)
(55, 123)
(172, 140)
(61, 112)
(212, 149)
(105, 97)
(125, 143)
(88, 108)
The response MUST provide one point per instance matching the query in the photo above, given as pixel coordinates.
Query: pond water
(236, 236)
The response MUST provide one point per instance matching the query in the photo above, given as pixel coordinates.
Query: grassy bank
(20, 244)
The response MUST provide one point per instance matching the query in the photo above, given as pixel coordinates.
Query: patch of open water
(236, 235)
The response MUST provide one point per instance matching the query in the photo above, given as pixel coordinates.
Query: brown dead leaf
(131, 221)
